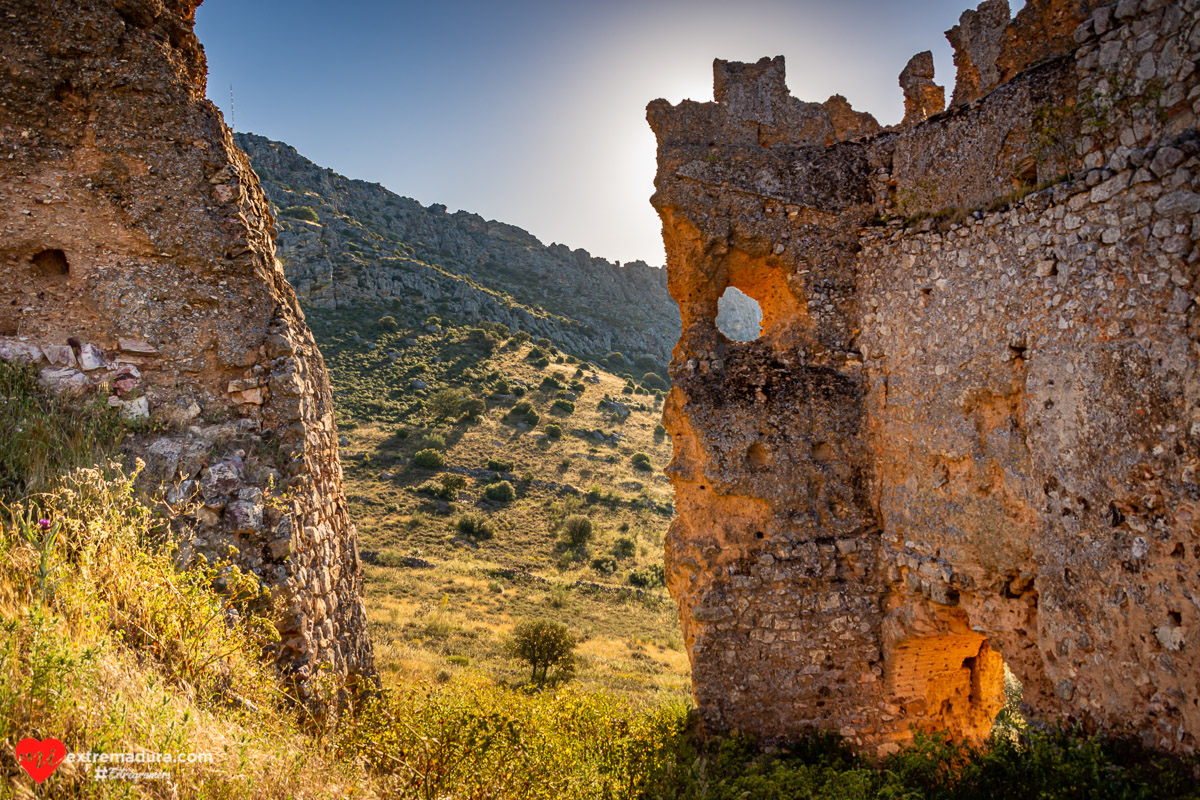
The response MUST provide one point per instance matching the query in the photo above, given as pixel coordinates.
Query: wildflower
(44, 524)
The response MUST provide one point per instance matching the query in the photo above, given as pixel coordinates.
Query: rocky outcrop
(138, 261)
(968, 433)
(365, 244)
(922, 97)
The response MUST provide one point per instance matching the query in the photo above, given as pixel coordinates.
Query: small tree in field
(543, 644)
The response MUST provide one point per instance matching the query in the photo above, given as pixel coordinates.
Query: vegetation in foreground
(109, 644)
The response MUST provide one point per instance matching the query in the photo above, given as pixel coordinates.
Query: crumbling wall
(967, 435)
(138, 262)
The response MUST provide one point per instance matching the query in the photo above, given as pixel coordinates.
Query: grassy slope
(436, 622)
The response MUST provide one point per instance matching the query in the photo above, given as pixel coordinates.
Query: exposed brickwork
(969, 430)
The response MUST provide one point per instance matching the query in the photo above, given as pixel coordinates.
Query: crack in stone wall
(968, 435)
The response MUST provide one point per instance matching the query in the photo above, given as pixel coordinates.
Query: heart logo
(40, 759)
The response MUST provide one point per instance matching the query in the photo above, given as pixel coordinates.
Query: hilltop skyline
(534, 113)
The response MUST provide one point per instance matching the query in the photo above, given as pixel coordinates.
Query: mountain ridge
(347, 241)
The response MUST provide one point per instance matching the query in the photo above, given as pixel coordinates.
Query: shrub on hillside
(501, 492)
(524, 411)
(483, 339)
(306, 213)
(477, 526)
(388, 323)
(577, 530)
(624, 547)
(445, 403)
(499, 465)
(473, 408)
(565, 406)
(641, 461)
(429, 459)
(605, 565)
(437, 489)
(652, 380)
(554, 430)
(648, 577)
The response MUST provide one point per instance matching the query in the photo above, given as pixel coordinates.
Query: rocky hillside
(346, 242)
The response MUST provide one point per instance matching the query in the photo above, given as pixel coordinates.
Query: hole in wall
(821, 451)
(51, 264)
(954, 683)
(739, 316)
(756, 456)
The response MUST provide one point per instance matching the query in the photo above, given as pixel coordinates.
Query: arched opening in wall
(953, 683)
(51, 265)
(739, 316)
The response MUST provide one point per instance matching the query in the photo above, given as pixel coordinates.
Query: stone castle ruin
(968, 434)
(138, 262)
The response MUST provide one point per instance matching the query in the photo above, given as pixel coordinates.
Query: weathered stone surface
(922, 97)
(135, 227)
(963, 439)
(977, 39)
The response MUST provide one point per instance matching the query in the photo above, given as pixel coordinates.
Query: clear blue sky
(533, 111)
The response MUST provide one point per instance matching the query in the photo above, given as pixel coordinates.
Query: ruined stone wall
(967, 435)
(138, 262)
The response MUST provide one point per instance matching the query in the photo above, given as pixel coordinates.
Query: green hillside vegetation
(461, 510)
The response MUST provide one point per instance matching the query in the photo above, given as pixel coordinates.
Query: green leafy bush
(648, 577)
(624, 547)
(652, 380)
(306, 213)
(388, 323)
(445, 403)
(477, 526)
(641, 461)
(473, 408)
(436, 489)
(499, 465)
(429, 459)
(524, 411)
(605, 565)
(542, 644)
(565, 406)
(501, 491)
(577, 530)
(554, 430)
